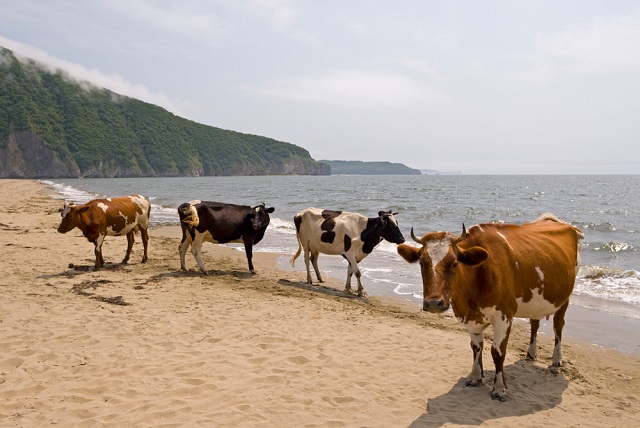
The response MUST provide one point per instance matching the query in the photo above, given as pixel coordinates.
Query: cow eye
(455, 264)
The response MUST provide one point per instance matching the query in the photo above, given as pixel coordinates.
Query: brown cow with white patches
(100, 218)
(496, 272)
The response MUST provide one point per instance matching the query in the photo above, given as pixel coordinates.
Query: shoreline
(148, 345)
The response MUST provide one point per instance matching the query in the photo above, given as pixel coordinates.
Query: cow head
(70, 216)
(259, 216)
(443, 261)
(390, 230)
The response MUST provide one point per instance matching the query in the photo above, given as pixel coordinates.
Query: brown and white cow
(351, 235)
(100, 218)
(495, 272)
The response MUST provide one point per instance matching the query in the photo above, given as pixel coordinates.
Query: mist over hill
(52, 126)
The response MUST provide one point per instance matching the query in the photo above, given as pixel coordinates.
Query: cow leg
(347, 285)
(248, 249)
(182, 249)
(558, 324)
(145, 242)
(130, 240)
(501, 331)
(98, 252)
(477, 372)
(196, 250)
(533, 341)
(314, 262)
(361, 291)
(353, 268)
(306, 263)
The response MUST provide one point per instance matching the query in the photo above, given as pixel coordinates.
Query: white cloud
(177, 20)
(422, 66)
(356, 88)
(279, 13)
(113, 82)
(605, 45)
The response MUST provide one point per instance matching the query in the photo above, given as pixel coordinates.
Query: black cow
(351, 235)
(220, 223)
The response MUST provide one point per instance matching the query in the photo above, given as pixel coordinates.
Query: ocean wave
(407, 290)
(282, 226)
(612, 247)
(69, 193)
(609, 283)
(595, 226)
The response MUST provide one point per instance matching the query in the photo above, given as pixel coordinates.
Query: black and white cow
(220, 223)
(351, 235)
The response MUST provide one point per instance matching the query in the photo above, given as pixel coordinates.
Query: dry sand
(149, 345)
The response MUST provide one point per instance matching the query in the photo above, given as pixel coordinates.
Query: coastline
(147, 344)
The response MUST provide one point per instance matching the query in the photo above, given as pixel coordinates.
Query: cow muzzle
(435, 305)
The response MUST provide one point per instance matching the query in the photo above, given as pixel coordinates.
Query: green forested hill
(370, 168)
(52, 126)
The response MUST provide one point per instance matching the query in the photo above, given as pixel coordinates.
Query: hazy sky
(471, 86)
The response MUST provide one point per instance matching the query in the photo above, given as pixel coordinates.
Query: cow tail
(295, 256)
(188, 215)
(297, 219)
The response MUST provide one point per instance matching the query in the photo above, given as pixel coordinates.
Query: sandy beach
(148, 345)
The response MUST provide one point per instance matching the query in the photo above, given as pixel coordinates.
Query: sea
(605, 207)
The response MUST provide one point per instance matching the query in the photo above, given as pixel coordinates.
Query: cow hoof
(499, 396)
(530, 357)
(361, 294)
(144, 260)
(473, 382)
(253, 272)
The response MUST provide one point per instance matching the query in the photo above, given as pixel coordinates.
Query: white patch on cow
(517, 265)
(505, 240)
(536, 308)
(540, 274)
(437, 251)
(141, 202)
(477, 226)
(501, 325)
(103, 206)
(195, 202)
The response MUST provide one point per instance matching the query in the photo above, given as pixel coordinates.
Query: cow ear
(473, 256)
(409, 253)
(270, 210)
(82, 209)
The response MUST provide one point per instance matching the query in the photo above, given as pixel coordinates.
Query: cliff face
(26, 156)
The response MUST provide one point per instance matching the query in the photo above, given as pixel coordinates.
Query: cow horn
(461, 237)
(413, 236)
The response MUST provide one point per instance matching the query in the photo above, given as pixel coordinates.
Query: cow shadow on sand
(322, 289)
(532, 389)
(75, 270)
